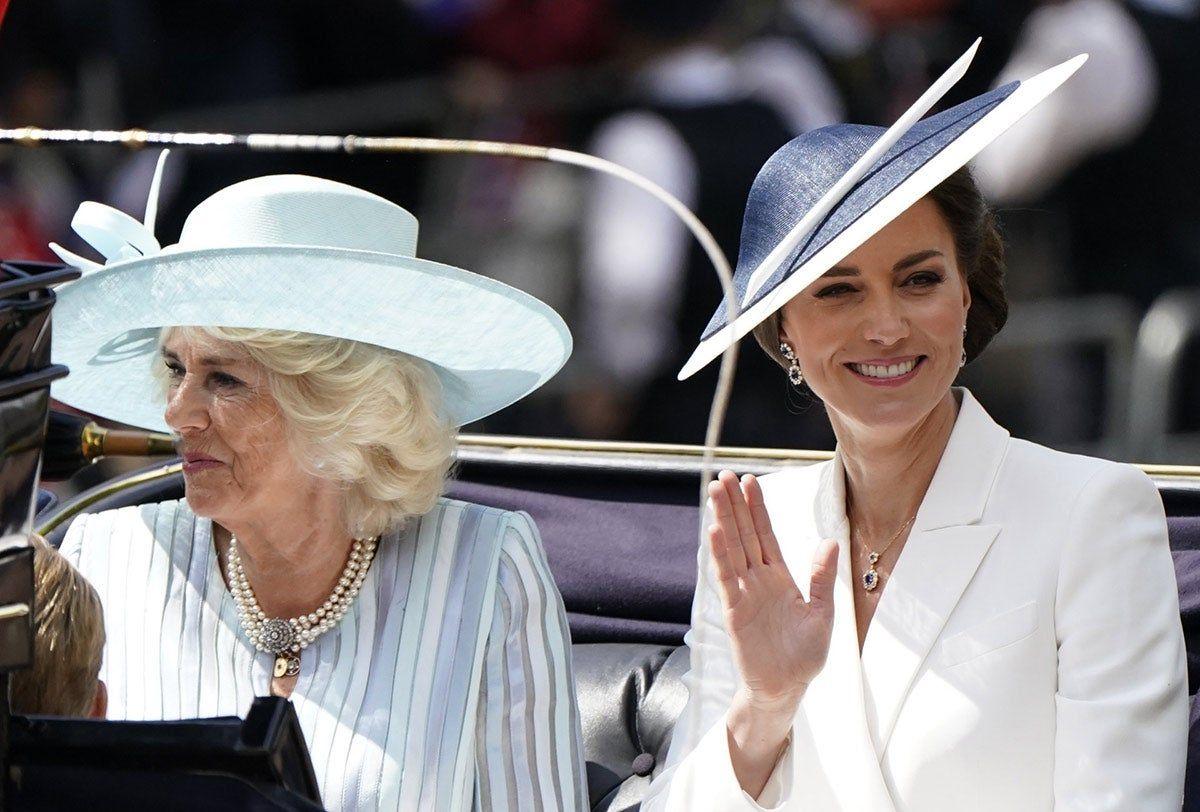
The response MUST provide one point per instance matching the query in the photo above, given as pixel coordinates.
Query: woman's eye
(224, 379)
(174, 370)
(924, 279)
(834, 290)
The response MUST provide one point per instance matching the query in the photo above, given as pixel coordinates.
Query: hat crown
(792, 181)
(299, 210)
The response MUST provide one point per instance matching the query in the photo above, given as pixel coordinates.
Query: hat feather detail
(155, 187)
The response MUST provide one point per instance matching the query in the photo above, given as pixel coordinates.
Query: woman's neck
(887, 475)
(292, 557)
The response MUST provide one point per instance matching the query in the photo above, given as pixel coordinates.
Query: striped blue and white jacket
(447, 685)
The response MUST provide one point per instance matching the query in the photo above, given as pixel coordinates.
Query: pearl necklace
(287, 637)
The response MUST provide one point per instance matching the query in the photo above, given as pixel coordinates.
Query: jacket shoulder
(150, 516)
(1063, 476)
(468, 520)
(460, 508)
(93, 538)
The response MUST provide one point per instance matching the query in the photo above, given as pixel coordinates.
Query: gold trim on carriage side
(665, 458)
(626, 447)
(726, 452)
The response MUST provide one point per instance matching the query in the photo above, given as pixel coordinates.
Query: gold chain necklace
(870, 578)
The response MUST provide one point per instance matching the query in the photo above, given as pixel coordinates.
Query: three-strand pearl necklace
(287, 637)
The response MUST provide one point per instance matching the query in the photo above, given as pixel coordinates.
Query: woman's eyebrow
(841, 270)
(209, 361)
(913, 259)
(907, 262)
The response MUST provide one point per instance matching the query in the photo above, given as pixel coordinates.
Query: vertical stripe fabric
(447, 686)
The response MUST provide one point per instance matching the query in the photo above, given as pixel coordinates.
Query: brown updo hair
(979, 250)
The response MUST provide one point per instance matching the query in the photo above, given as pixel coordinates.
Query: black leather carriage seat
(627, 574)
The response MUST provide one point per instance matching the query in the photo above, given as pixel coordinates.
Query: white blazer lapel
(933, 571)
(938, 562)
(831, 732)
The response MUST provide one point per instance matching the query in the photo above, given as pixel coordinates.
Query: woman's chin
(889, 408)
(203, 501)
(889, 416)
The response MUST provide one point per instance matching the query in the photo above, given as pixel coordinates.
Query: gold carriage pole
(350, 144)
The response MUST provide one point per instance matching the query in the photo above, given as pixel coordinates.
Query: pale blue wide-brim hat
(825, 193)
(290, 252)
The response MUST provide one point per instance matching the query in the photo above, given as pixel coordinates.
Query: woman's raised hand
(779, 639)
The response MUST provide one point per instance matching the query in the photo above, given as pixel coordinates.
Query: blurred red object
(529, 35)
(20, 235)
(885, 12)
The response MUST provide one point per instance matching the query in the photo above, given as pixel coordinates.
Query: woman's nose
(886, 323)
(187, 407)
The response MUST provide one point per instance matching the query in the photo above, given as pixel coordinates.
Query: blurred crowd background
(1097, 192)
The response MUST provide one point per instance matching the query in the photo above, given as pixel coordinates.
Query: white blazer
(1026, 653)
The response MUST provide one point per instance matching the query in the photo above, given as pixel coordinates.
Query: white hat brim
(490, 344)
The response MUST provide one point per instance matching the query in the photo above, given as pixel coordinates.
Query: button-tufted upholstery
(629, 696)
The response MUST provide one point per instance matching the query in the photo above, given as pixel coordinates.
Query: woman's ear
(99, 709)
(782, 329)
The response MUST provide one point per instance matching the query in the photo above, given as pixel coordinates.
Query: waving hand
(780, 640)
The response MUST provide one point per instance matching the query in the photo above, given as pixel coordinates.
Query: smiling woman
(927, 621)
(935, 308)
(954, 209)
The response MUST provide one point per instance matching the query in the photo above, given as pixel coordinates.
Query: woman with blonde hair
(315, 371)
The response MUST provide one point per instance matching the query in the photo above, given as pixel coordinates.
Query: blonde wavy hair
(370, 419)
(68, 628)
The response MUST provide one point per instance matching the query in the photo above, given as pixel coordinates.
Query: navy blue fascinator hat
(825, 193)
